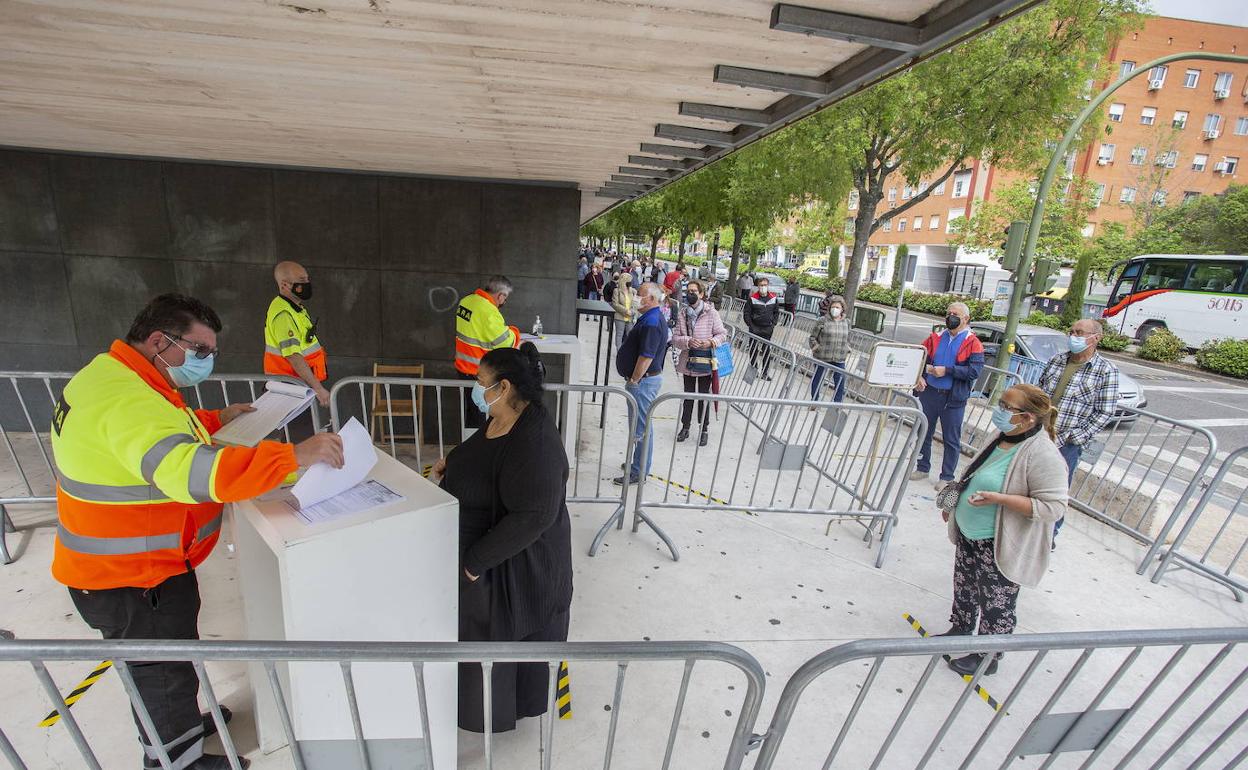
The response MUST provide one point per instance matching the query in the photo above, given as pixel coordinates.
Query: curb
(1177, 369)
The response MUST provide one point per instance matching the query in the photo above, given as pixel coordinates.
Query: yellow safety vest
(288, 329)
(479, 328)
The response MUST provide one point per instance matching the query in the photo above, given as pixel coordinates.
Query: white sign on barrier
(895, 365)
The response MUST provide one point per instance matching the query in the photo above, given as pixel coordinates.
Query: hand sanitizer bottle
(537, 327)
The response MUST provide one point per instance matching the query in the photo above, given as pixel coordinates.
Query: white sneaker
(918, 476)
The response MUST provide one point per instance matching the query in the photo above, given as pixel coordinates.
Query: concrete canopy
(539, 90)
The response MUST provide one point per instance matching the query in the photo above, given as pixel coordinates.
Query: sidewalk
(773, 584)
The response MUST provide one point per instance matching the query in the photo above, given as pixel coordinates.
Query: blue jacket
(965, 371)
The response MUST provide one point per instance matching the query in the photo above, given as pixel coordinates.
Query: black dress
(515, 534)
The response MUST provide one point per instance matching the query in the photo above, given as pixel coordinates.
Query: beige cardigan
(1023, 543)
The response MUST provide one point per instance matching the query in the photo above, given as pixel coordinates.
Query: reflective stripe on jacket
(479, 328)
(140, 483)
(288, 329)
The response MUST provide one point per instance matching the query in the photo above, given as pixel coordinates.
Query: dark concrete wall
(85, 241)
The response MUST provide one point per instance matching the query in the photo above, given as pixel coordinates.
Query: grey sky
(1218, 11)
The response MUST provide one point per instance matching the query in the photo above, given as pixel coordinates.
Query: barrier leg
(5, 529)
(616, 518)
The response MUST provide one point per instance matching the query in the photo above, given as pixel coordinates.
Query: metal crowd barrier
(418, 655)
(750, 356)
(977, 427)
(1106, 698)
(1027, 369)
(1214, 538)
(840, 460)
(33, 395)
(732, 310)
(435, 412)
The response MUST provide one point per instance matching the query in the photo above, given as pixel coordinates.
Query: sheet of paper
(279, 404)
(321, 481)
(361, 497)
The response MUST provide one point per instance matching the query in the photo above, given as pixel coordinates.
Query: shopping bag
(723, 359)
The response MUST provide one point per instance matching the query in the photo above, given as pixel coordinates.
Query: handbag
(700, 361)
(949, 495)
(723, 359)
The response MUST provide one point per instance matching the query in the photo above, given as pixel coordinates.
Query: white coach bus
(1197, 297)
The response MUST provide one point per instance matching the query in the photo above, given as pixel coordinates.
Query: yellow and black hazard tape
(78, 692)
(980, 691)
(678, 485)
(563, 693)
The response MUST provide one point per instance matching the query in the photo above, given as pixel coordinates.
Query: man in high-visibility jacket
(479, 328)
(291, 346)
(139, 500)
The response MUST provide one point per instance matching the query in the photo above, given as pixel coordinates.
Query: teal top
(979, 522)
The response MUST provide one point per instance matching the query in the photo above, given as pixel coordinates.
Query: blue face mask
(1077, 344)
(1002, 419)
(193, 370)
(478, 397)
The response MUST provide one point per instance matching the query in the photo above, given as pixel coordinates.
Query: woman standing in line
(625, 306)
(698, 331)
(829, 343)
(514, 535)
(1002, 520)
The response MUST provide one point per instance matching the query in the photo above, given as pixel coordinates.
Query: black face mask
(302, 290)
(692, 299)
(952, 321)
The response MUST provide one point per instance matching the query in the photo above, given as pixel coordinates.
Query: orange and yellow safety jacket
(288, 329)
(141, 485)
(479, 328)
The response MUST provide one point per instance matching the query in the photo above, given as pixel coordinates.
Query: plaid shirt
(830, 340)
(1090, 398)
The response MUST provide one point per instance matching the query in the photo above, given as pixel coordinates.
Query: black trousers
(472, 415)
(696, 385)
(766, 349)
(980, 591)
(169, 689)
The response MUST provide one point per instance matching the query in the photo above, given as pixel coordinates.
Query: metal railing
(437, 412)
(1130, 698)
(840, 460)
(732, 310)
(28, 402)
(752, 358)
(1027, 369)
(1214, 537)
(411, 662)
(977, 427)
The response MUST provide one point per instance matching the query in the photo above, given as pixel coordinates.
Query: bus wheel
(1146, 330)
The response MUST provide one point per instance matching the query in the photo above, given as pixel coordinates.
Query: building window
(853, 200)
(1213, 122)
(1115, 111)
(934, 224)
(1127, 195)
(1241, 126)
(1199, 162)
(901, 225)
(892, 194)
(923, 185)
(1222, 85)
(1191, 78)
(1138, 156)
(1126, 68)
(1106, 155)
(1169, 159)
(939, 189)
(1157, 76)
(888, 225)
(1148, 116)
(1180, 119)
(961, 183)
(918, 223)
(1098, 195)
(1159, 197)
(907, 192)
(1229, 164)
(1190, 195)
(849, 226)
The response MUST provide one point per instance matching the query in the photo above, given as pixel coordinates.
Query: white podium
(385, 574)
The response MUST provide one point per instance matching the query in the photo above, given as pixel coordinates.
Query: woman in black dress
(514, 535)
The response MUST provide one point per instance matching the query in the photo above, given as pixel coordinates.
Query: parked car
(1041, 343)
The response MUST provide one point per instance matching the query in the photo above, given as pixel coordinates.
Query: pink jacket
(707, 326)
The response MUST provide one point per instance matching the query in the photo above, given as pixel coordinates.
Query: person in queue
(582, 269)
(140, 496)
(762, 312)
(698, 331)
(955, 358)
(829, 343)
(594, 282)
(640, 362)
(291, 347)
(514, 534)
(480, 328)
(624, 303)
(1002, 526)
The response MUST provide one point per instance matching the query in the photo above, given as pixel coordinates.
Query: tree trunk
(655, 237)
(736, 260)
(715, 248)
(684, 235)
(862, 233)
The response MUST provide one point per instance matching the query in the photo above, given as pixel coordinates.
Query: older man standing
(955, 359)
(291, 347)
(1083, 385)
(640, 362)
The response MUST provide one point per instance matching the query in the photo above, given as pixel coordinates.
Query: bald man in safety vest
(139, 500)
(291, 347)
(479, 328)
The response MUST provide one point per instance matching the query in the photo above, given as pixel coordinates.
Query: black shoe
(684, 434)
(210, 725)
(703, 438)
(217, 762)
(955, 631)
(619, 480)
(966, 665)
(767, 377)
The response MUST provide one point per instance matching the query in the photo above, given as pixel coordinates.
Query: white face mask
(835, 312)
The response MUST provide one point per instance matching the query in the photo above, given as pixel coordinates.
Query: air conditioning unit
(1219, 167)
(1154, 85)
(1102, 161)
(1221, 93)
(1212, 133)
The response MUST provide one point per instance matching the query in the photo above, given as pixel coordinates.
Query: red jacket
(969, 362)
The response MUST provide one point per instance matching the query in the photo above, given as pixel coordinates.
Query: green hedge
(1228, 357)
(1162, 345)
(918, 301)
(1037, 318)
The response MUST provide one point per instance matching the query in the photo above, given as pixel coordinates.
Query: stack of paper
(322, 481)
(280, 403)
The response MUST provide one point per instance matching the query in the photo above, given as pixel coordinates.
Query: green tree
(899, 266)
(1001, 95)
(1072, 307)
(1061, 234)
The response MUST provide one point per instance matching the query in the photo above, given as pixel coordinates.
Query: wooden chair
(385, 407)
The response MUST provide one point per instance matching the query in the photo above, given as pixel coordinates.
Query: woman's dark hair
(696, 282)
(522, 367)
(172, 313)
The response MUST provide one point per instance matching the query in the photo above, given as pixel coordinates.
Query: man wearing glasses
(139, 500)
(291, 347)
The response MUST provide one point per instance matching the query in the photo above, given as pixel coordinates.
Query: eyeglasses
(198, 349)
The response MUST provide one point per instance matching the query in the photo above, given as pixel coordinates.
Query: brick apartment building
(1179, 132)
